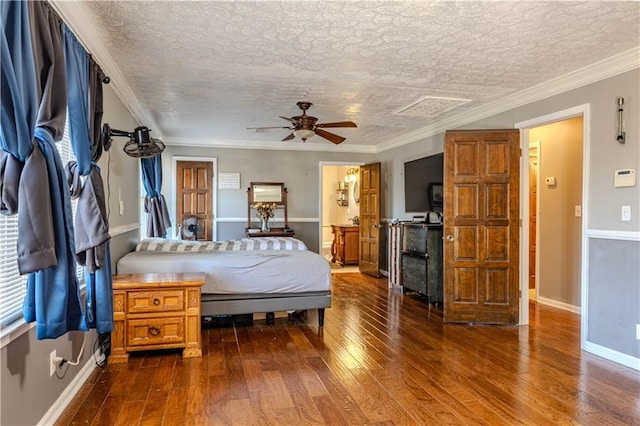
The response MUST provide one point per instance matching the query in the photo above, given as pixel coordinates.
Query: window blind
(12, 285)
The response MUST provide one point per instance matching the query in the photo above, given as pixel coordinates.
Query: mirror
(356, 191)
(266, 192)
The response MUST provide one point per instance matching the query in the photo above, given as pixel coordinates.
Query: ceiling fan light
(304, 134)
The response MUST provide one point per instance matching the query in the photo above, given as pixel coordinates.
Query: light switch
(626, 213)
(578, 211)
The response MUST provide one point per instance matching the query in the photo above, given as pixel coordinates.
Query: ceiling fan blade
(330, 136)
(275, 127)
(287, 118)
(288, 138)
(338, 124)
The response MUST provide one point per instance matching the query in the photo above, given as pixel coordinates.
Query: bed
(245, 276)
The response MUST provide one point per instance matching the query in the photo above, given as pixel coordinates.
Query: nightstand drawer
(155, 331)
(139, 302)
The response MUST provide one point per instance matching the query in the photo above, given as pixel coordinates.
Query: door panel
(481, 225)
(370, 227)
(194, 189)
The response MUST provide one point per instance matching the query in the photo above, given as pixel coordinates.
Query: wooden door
(194, 196)
(481, 226)
(370, 227)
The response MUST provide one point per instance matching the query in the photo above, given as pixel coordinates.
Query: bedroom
(24, 358)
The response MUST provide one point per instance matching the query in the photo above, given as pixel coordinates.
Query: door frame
(537, 265)
(214, 197)
(524, 126)
(321, 165)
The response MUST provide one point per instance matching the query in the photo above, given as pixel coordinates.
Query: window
(12, 285)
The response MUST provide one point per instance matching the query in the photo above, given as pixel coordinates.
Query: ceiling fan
(304, 126)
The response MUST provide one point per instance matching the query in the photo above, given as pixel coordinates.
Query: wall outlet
(638, 331)
(52, 363)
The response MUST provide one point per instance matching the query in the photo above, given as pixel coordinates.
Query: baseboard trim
(612, 355)
(559, 305)
(58, 407)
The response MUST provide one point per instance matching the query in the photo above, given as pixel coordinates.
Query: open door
(370, 227)
(481, 226)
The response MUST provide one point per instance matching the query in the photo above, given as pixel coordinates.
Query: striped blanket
(258, 243)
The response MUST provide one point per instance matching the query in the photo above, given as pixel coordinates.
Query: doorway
(534, 149)
(339, 205)
(556, 245)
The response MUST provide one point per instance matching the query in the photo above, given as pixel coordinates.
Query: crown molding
(72, 14)
(269, 145)
(617, 64)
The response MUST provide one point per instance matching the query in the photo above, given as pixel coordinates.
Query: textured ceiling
(201, 72)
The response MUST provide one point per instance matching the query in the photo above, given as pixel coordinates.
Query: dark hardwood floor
(381, 358)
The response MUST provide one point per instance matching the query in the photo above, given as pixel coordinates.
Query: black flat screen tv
(423, 184)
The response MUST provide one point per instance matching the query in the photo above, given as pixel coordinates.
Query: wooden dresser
(156, 311)
(345, 246)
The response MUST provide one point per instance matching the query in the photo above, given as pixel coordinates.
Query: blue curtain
(91, 223)
(154, 203)
(53, 296)
(77, 65)
(33, 114)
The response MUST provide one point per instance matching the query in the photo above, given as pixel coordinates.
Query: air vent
(431, 106)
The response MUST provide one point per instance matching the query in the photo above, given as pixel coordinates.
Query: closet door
(194, 198)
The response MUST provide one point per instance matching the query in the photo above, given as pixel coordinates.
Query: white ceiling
(201, 72)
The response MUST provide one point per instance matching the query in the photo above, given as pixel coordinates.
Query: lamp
(304, 134)
(352, 174)
(621, 134)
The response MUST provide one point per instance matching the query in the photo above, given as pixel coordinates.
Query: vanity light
(621, 134)
(352, 174)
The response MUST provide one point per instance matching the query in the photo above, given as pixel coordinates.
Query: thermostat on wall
(624, 177)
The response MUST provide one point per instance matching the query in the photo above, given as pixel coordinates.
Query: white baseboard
(560, 305)
(612, 355)
(56, 409)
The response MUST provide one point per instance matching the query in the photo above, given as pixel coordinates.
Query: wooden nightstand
(156, 311)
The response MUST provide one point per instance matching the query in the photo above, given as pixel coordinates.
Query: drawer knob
(156, 302)
(154, 331)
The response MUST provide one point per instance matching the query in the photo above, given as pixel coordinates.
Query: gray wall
(26, 390)
(614, 295)
(299, 170)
